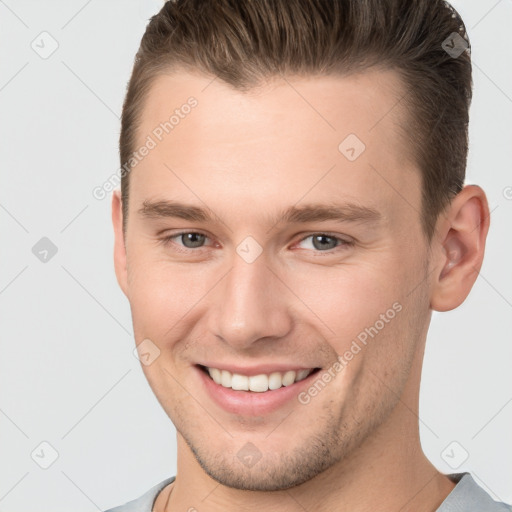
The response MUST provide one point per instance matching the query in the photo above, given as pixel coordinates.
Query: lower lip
(251, 403)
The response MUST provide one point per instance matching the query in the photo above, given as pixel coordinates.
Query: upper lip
(258, 369)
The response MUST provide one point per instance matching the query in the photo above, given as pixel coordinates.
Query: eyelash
(343, 244)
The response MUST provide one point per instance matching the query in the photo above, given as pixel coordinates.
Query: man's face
(248, 292)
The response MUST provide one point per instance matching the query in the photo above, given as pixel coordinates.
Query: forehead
(317, 136)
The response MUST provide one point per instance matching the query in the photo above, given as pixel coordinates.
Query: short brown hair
(245, 42)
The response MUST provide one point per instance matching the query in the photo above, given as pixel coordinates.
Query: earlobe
(459, 248)
(119, 242)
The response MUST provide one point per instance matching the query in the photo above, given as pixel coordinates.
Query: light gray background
(68, 376)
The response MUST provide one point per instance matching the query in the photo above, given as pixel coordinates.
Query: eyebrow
(311, 212)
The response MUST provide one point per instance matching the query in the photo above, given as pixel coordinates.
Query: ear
(119, 244)
(458, 248)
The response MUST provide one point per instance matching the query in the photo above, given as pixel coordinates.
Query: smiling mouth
(256, 383)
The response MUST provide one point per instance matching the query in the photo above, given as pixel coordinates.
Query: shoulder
(468, 496)
(145, 502)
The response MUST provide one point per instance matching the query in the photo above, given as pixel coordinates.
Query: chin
(249, 468)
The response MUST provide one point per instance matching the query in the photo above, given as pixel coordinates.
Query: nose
(250, 305)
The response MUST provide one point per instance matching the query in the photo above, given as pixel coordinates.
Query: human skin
(355, 446)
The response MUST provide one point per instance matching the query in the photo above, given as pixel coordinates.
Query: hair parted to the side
(247, 42)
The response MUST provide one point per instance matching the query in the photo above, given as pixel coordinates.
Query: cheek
(344, 301)
(366, 312)
(168, 300)
(153, 303)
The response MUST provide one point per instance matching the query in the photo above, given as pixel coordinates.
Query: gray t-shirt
(466, 496)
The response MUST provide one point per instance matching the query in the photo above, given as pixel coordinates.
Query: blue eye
(323, 242)
(189, 239)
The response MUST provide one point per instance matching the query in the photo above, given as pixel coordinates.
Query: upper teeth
(258, 383)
